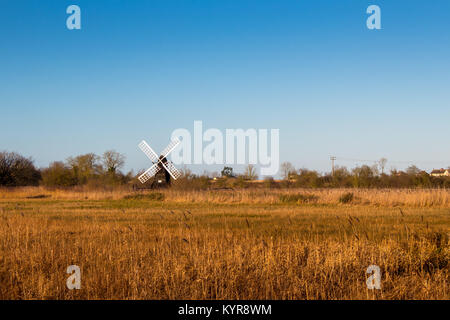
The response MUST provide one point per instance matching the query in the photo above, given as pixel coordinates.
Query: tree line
(105, 170)
(87, 169)
(363, 177)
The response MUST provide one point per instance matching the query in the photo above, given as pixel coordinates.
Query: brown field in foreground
(224, 244)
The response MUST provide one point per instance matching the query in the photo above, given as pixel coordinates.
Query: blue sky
(140, 69)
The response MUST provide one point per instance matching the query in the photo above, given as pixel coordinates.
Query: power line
(395, 161)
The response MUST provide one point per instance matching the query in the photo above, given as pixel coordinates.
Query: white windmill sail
(153, 170)
(172, 170)
(148, 151)
(149, 173)
(172, 145)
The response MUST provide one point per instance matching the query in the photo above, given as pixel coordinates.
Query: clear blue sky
(139, 69)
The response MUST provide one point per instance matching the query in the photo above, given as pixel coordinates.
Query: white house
(440, 173)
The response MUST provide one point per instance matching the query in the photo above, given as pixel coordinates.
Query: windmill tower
(162, 169)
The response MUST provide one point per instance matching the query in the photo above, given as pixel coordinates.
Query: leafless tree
(382, 163)
(286, 169)
(113, 161)
(250, 172)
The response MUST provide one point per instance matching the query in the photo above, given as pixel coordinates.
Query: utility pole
(332, 158)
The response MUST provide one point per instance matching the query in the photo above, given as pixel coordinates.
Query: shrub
(298, 198)
(39, 196)
(346, 197)
(238, 182)
(58, 175)
(269, 182)
(307, 179)
(221, 183)
(192, 183)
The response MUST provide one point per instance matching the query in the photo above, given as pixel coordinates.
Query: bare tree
(412, 170)
(287, 169)
(186, 173)
(382, 163)
(113, 161)
(250, 172)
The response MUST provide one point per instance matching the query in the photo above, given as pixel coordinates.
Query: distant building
(440, 173)
(399, 173)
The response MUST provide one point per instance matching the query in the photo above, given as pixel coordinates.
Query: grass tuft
(346, 197)
(298, 198)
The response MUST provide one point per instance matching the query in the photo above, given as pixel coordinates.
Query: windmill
(159, 163)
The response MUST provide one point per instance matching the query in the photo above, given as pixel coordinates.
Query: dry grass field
(224, 244)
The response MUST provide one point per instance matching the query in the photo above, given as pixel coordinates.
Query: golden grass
(377, 197)
(244, 244)
(383, 197)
